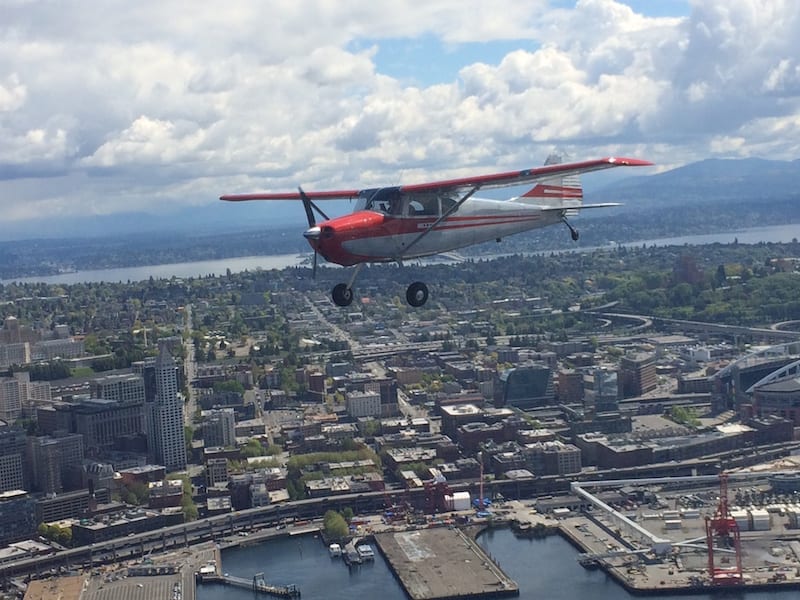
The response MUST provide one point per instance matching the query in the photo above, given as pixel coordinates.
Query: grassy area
(82, 372)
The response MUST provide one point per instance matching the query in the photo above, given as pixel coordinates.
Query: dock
(256, 584)
(439, 563)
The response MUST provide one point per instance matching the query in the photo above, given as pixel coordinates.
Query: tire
(342, 295)
(417, 294)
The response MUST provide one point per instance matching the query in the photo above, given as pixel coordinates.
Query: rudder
(556, 192)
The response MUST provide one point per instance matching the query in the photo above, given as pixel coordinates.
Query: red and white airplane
(393, 224)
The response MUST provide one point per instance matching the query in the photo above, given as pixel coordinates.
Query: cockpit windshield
(386, 200)
(391, 201)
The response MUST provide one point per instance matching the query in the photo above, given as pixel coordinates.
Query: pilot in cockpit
(395, 201)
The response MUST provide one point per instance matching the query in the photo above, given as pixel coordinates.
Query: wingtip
(629, 162)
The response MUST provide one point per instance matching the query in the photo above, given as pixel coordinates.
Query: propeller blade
(314, 266)
(307, 204)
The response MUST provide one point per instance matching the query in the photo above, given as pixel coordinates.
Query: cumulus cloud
(132, 102)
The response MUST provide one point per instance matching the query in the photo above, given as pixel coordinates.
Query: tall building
(363, 404)
(167, 434)
(605, 392)
(638, 374)
(526, 386)
(18, 353)
(219, 427)
(18, 516)
(15, 333)
(119, 387)
(570, 386)
(10, 399)
(13, 475)
(103, 423)
(50, 457)
(19, 396)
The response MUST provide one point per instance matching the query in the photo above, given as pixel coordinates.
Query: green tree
(334, 525)
(252, 449)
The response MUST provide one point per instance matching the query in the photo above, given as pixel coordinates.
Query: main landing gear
(342, 295)
(572, 231)
(416, 294)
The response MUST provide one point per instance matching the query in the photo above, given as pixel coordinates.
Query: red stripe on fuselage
(364, 225)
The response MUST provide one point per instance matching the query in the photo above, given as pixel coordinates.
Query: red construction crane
(722, 532)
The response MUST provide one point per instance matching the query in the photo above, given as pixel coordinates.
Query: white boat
(335, 550)
(365, 552)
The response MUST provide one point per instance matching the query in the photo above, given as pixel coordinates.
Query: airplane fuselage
(375, 236)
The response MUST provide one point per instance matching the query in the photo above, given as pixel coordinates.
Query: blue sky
(143, 107)
(428, 59)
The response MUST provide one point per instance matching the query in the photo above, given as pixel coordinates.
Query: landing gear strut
(572, 231)
(417, 294)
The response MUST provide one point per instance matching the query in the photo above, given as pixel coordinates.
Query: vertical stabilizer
(556, 192)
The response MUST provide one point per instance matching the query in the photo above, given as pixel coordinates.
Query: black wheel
(342, 295)
(575, 235)
(417, 294)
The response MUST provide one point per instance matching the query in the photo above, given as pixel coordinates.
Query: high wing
(525, 176)
(326, 195)
(495, 180)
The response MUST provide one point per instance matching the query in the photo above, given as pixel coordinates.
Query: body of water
(544, 569)
(778, 233)
(167, 271)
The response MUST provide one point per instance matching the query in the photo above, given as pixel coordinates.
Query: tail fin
(558, 192)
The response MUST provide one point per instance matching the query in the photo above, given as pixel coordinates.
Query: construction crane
(722, 532)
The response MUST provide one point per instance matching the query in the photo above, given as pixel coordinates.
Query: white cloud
(182, 105)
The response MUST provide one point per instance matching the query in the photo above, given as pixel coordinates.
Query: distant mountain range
(708, 181)
(711, 180)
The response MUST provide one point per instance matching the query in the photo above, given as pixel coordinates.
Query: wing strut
(444, 215)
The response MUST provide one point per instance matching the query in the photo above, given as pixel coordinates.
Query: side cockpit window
(386, 200)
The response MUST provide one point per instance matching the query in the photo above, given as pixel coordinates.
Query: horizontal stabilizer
(582, 206)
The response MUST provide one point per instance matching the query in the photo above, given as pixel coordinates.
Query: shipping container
(461, 501)
(759, 520)
(742, 518)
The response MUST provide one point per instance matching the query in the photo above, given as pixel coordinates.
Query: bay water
(544, 569)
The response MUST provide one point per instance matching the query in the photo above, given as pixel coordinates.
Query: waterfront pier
(439, 563)
(257, 584)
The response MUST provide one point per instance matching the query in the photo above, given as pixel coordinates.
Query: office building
(19, 395)
(51, 349)
(219, 427)
(637, 374)
(18, 516)
(13, 474)
(122, 388)
(10, 399)
(15, 354)
(604, 394)
(363, 404)
(526, 386)
(216, 472)
(105, 424)
(570, 387)
(167, 434)
(50, 457)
